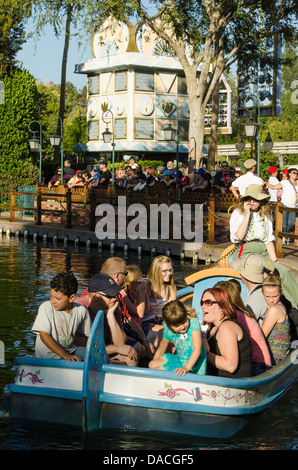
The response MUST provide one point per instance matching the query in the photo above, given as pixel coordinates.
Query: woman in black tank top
(230, 348)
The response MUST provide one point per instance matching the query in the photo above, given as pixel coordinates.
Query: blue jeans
(288, 221)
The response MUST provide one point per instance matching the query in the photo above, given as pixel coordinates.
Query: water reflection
(26, 269)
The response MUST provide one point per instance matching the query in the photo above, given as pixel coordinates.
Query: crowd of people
(99, 176)
(146, 325)
(136, 177)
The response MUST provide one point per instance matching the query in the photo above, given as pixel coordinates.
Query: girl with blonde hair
(161, 289)
(276, 325)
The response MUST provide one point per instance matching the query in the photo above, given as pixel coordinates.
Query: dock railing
(214, 205)
(279, 234)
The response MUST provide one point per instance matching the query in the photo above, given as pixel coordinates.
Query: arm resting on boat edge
(53, 346)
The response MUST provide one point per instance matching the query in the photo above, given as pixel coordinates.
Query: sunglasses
(106, 295)
(208, 302)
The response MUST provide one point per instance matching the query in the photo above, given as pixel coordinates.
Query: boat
(95, 394)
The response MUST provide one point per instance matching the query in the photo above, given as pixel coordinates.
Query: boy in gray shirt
(59, 319)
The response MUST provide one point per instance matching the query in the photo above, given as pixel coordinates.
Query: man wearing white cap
(240, 184)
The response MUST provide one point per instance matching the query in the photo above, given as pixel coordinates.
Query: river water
(26, 269)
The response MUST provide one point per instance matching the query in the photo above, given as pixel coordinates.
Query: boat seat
(207, 278)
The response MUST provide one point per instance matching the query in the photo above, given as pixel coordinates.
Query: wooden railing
(279, 234)
(212, 203)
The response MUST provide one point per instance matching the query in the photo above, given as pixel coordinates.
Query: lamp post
(109, 137)
(172, 134)
(35, 144)
(253, 128)
(240, 145)
(57, 140)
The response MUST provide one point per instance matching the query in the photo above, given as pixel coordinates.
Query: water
(26, 269)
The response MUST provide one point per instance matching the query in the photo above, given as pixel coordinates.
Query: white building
(135, 74)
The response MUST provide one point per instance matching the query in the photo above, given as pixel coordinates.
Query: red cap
(272, 170)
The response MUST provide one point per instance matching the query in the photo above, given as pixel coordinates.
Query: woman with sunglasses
(230, 352)
(252, 233)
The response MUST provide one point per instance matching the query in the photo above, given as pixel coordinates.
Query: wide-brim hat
(248, 164)
(252, 268)
(255, 191)
(103, 283)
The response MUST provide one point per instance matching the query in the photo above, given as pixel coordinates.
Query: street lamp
(268, 144)
(240, 145)
(109, 137)
(35, 144)
(253, 128)
(172, 134)
(57, 140)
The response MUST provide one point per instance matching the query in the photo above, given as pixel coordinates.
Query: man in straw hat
(240, 184)
(252, 233)
(252, 272)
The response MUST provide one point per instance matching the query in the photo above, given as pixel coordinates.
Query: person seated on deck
(67, 167)
(201, 181)
(260, 353)
(102, 295)
(106, 175)
(168, 178)
(159, 171)
(223, 178)
(276, 325)
(95, 177)
(184, 331)
(133, 179)
(56, 179)
(230, 352)
(120, 177)
(59, 319)
(142, 182)
(76, 180)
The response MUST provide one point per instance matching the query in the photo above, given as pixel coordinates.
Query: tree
(54, 12)
(18, 110)
(13, 15)
(209, 36)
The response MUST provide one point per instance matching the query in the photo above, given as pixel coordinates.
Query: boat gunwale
(245, 382)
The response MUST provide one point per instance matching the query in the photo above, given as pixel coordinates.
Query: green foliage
(13, 15)
(27, 174)
(18, 110)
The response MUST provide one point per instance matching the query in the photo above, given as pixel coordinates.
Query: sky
(43, 58)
